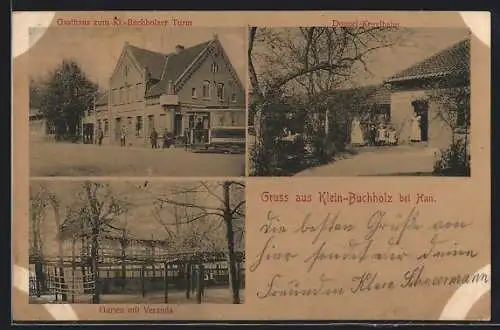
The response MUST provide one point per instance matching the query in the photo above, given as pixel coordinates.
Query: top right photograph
(351, 101)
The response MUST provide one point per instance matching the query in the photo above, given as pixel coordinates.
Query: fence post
(200, 283)
(165, 281)
(73, 269)
(143, 287)
(188, 280)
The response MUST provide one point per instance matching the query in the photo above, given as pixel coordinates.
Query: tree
(94, 215)
(453, 109)
(38, 204)
(35, 93)
(64, 97)
(306, 62)
(227, 207)
(51, 199)
(453, 106)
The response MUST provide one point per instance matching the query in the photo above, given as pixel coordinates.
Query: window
(138, 92)
(193, 93)
(138, 126)
(106, 127)
(215, 67)
(233, 93)
(127, 95)
(122, 99)
(220, 92)
(125, 70)
(151, 123)
(113, 97)
(206, 89)
(99, 124)
(162, 124)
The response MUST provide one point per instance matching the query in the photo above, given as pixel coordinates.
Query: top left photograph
(148, 101)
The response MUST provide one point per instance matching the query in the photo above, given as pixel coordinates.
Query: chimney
(179, 48)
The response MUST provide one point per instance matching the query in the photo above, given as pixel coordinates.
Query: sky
(98, 49)
(415, 45)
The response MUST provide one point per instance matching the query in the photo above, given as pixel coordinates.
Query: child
(391, 136)
(381, 135)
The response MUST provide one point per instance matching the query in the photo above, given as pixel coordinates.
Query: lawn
(68, 159)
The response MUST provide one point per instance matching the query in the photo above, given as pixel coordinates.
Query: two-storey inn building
(192, 88)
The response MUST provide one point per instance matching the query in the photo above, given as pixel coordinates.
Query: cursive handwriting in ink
(280, 287)
(267, 253)
(435, 253)
(273, 225)
(377, 223)
(329, 224)
(417, 278)
(369, 282)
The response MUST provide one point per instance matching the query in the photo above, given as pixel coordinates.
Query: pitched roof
(165, 67)
(450, 61)
(365, 94)
(151, 60)
(176, 64)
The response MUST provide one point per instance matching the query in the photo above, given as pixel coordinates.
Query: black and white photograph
(112, 242)
(137, 101)
(359, 101)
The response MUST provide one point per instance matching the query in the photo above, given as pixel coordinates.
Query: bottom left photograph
(101, 242)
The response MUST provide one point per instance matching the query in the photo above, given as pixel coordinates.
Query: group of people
(377, 134)
(154, 137)
(383, 133)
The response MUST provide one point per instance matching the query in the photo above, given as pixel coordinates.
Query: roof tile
(450, 61)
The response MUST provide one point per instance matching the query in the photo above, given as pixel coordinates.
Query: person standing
(167, 139)
(154, 139)
(122, 137)
(357, 138)
(416, 133)
(199, 131)
(100, 136)
(381, 134)
(186, 139)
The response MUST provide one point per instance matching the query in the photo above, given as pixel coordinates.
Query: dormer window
(215, 67)
(206, 89)
(193, 93)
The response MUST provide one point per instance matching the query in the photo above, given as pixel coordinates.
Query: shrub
(454, 161)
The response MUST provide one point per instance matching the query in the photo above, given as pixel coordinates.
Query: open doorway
(421, 109)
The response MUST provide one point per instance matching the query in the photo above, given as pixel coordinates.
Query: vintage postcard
(251, 166)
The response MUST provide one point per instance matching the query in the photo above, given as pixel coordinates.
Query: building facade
(40, 130)
(190, 89)
(417, 90)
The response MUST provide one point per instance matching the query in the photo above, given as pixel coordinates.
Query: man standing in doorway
(154, 139)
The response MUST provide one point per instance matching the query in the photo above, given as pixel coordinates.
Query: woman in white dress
(415, 128)
(357, 138)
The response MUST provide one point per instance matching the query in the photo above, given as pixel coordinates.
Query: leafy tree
(453, 109)
(64, 97)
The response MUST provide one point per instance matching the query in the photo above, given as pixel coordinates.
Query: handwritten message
(350, 243)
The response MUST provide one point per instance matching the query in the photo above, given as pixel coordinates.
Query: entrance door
(423, 112)
(177, 125)
(118, 129)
